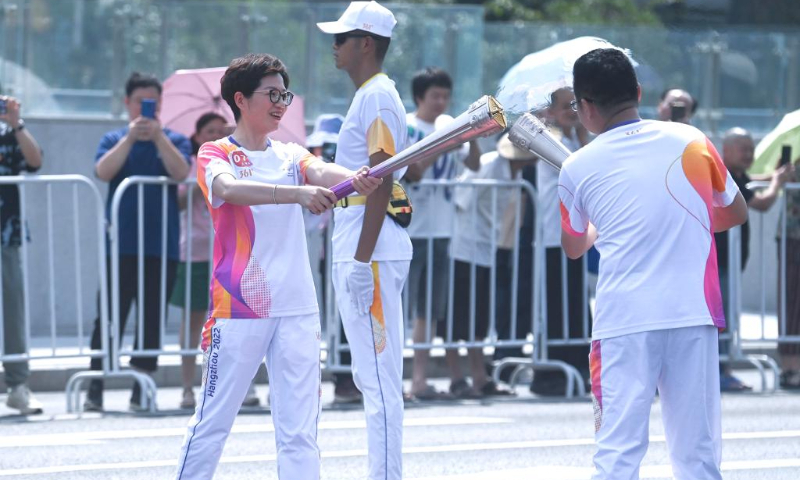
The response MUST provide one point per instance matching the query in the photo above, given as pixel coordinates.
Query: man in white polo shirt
(649, 195)
(371, 254)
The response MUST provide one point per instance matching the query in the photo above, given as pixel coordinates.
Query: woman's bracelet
(274, 190)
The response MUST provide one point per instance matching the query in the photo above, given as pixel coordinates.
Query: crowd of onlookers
(475, 228)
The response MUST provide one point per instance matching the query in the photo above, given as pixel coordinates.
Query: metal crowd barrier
(62, 346)
(535, 335)
(532, 335)
(116, 349)
(787, 332)
(542, 338)
(732, 335)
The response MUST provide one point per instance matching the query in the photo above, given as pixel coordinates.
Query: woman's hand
(363, 183)
(316, 199)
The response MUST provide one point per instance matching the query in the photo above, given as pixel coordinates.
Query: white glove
(360, 285)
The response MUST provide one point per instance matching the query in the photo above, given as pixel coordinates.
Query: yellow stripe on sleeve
(379, 138)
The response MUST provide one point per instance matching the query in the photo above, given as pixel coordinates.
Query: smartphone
(678, 111)
(3, 106)
(149, 108)
(786, 155)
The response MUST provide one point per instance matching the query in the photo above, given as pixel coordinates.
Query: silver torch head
(530, 134)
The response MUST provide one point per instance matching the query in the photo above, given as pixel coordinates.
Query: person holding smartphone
(19, 153)
(738, 155)
(143, 147)
(677, 105)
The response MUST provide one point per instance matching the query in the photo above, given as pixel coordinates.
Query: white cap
(371, 17)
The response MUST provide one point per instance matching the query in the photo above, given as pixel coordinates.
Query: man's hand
(143, 129)
(361, 285)
(316, 199)
(363, 183)
(12, 114)
(783, 174)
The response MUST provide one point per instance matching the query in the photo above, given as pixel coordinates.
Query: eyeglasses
(340, 38)
(276, 95)
(574, 104)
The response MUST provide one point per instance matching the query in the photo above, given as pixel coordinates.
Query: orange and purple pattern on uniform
(239, 288)
(705, 171)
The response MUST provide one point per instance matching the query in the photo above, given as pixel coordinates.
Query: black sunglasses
(340, 38)
(276, 96)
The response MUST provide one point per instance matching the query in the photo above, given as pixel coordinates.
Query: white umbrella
(528, 84)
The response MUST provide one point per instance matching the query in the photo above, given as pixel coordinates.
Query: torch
(482, 118)
(530, 134)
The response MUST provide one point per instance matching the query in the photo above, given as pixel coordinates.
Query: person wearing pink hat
(371, 255)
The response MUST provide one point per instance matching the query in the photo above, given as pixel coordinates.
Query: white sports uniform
(262, 304)
(650, 188)
(375, 122)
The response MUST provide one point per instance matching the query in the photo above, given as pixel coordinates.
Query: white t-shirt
(472, 237)
(649, 188)
(375, 122)
(433, 206)
(547, 187)
(260, 267)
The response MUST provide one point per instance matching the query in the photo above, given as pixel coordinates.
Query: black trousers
(128, 294)
(504, 275)
(575, 355)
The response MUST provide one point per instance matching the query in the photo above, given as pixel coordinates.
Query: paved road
(524, 438)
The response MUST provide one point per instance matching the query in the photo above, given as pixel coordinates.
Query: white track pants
(683, 364)
(376, 347)
(291, 346)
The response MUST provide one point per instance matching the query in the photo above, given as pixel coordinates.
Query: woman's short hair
(244, 75)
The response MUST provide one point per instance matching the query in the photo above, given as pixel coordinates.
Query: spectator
(504, 278)
(472, 245)
(737, 154)
(433, 208)
(322, 142)
(677, 105)
(649, 194)
(19, 153)
(789, 353)
(210, 126)
(143, 147)
(564, 120)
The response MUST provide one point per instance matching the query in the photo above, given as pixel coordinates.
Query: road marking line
(584, 473)
(94, 438)
(655, 471)
(546, 471)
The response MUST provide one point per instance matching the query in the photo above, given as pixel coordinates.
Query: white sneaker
(21, 398)
(251, 400)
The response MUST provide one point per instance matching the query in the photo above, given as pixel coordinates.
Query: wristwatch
(20, 125)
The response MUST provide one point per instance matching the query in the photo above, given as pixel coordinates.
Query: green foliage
(607, 12)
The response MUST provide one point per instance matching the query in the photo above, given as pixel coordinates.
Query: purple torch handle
(483, 118)
(381, 170)
(343, 189)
